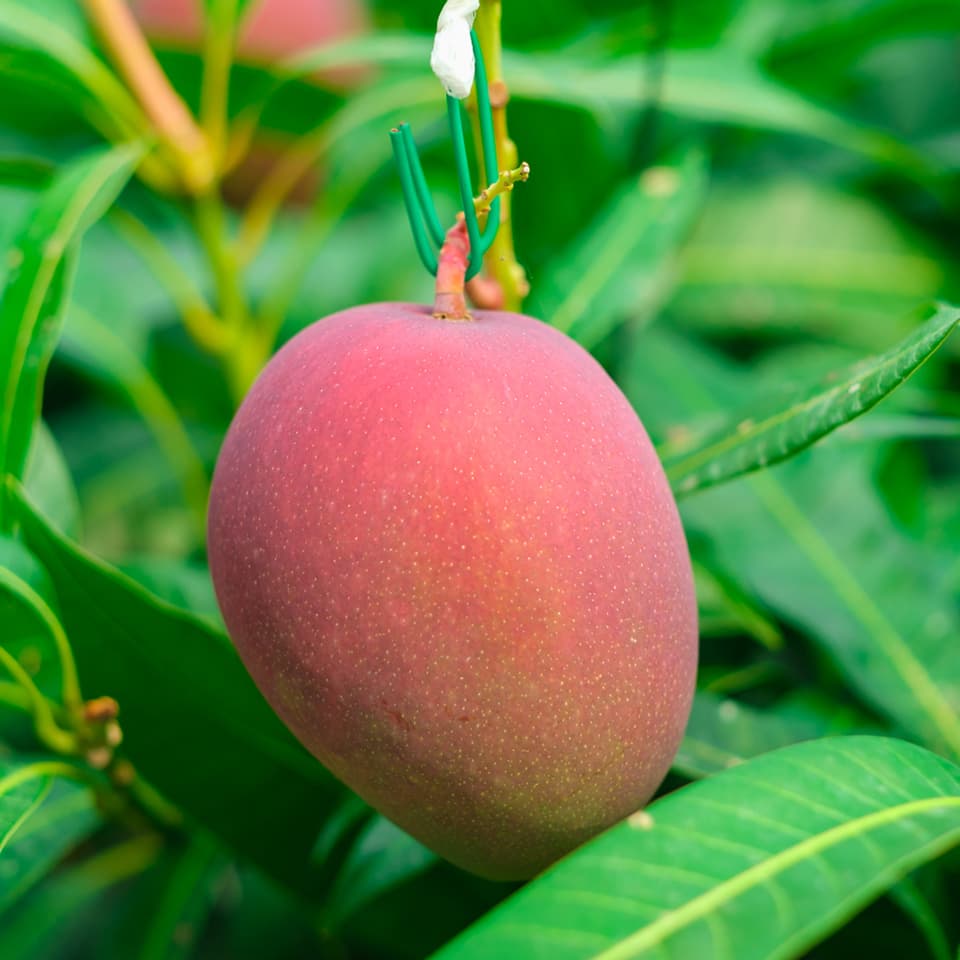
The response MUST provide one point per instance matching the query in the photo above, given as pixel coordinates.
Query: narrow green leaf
(194, 723)
(725, 609)
(618, 266)
(812, 541)
(757, 863)
(780, 254)
(723, 733)
(48, 482)
(383, 857)
(776, 427)
(43, 814)
(910, 898)
(186, 901)
(23, 633)
(717, 85)
(62, 40)
(92, 346)
(41, 923)
(36, 290)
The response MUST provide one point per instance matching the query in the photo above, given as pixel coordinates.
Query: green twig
(19, 588)
(247, 350)
(218, 51)
(199, 320)
(49, 733)
(501, 260)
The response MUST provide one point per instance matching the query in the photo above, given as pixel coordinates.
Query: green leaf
(382, 857)
(24, 171)
(780, 254)
(24, 633)
(184, 585)
(194, 723)
(92, 346)
(724, 608)
(723, 733)
(759, 862)
(48, 482)
(710, 85)
(48, 44)
(43, 814)
(59, 908)
(812, 541)
(185, 903)
(776, 427)
(827, 556)
(36, 290)
(619, 266)
(908, 896)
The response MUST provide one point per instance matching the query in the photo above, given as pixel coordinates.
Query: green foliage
(748, 228)
(775, 428)
(707, 872)
(216, 729)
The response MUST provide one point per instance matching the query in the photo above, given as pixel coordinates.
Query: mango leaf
(911, 899)
(711, 85)
(759, 862)
(25, 586)
(183, 585)
(36, 290)
(723, 733)
(813, 542)
(179, 916)
(382, 857)
(619, 266)
(194, 723)
(778, 255)
(48, 482)
(776, 427)
(38, 925)
(48, 43)
(43, 814)
(93, 347)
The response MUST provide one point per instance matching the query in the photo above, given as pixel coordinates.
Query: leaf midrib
(701, 907)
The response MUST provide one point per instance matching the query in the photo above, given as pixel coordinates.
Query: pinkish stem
(451, 302)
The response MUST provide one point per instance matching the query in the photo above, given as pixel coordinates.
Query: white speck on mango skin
(473, 604)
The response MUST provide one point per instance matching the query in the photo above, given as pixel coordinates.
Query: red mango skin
(450, 559)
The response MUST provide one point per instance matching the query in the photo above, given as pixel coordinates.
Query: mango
(449, 557)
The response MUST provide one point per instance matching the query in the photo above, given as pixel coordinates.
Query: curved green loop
(420, 239)
(421, 212)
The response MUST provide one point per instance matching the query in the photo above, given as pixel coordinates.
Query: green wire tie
(425, 224)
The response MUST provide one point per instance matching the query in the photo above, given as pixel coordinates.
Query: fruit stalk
(501, 260)
(452, 262)
(450, 302)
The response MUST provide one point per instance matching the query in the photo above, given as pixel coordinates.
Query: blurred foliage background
(727, 197)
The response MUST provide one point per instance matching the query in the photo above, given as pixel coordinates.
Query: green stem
(501, 260)
(72, 697)
(247, 351)
(198, 318)
(47, 768)
(218, 50)
(45, 725)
